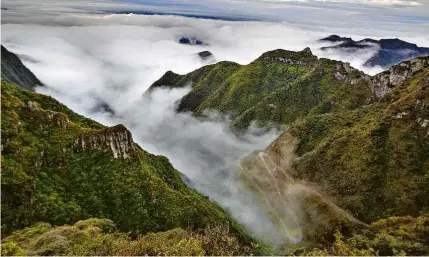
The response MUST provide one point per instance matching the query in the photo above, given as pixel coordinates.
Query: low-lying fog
(99, 64)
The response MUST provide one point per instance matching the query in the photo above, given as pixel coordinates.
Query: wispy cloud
(382, 14)
(88, 57)
(362, 2)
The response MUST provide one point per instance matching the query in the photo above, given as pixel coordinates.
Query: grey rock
(117, 140)
(384, 82)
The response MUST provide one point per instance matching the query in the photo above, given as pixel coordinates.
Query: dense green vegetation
(360, 140)
(367, 152)
(278, 87)
(48, 176)
(100, 237)
(375, 159)
(393, 236)
(370, 153)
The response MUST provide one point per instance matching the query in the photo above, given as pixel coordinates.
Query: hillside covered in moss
(374, 159)
(277, 88)
(363, 139)
(355, 148)
(59, 167)
(352, 166)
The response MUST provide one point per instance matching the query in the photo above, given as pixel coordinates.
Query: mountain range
(59, 167)
(13, 70)
(353, 156)
(387, 51)
(360, 139)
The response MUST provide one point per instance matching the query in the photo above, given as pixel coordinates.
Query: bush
(99, 237)
(392, 236)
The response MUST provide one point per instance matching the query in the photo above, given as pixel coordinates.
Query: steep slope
(278, 87)
(395, 236)
(60, 167)
(374, 160)
(13, 70)
(330, 175)
(356, 148)
(388, 51)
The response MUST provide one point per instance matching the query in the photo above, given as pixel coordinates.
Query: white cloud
(364, 2)
(395, 15)
(93, 60)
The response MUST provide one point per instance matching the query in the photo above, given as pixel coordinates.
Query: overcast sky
(411, 16)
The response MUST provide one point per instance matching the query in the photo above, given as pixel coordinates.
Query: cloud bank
(404, 16)
(100, 65)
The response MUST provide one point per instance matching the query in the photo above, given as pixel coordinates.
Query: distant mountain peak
(117, 139)
(335, 38)
(206, 56)
(390, 50)
(191, 41)
(307, 50)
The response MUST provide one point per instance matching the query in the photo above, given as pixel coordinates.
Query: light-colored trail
(287, 213)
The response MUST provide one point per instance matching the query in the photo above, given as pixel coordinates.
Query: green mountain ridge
(361, 141)
(281, 86)
(355, 147)
(60, 167)
(278, 87)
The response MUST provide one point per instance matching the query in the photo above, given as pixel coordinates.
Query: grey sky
(87, 56)
(395, 15)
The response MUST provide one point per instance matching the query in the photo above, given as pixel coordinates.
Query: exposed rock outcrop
(206, 55)
(58, 118)
(117, 139)
(344, 70)
(384, 82)
(302, 58)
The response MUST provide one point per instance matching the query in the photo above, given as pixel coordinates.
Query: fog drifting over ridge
(106, 62)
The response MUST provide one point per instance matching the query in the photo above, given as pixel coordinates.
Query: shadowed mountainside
(388, 51)
(14, 71)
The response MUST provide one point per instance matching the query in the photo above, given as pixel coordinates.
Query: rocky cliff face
(383, 83)
(357, 145)
(118, 140)
(13, 70)
(281, 86)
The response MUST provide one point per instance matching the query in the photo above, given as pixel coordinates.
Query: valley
(351, 161)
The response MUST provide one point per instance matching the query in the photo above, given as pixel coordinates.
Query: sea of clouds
(101, 65)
